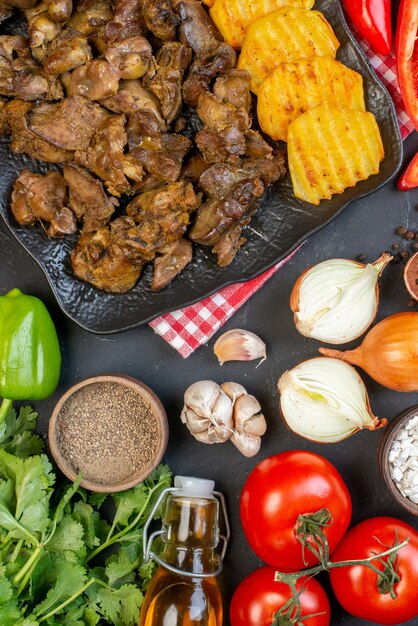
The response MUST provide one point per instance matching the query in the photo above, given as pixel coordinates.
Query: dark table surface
(366, 226)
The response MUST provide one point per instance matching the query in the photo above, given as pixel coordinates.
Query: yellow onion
(389, 352)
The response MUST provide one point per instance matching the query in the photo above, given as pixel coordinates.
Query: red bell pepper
(409, 179)
(373, 20)
(406, 52)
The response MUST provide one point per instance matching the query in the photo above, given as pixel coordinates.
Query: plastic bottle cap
(194, 487)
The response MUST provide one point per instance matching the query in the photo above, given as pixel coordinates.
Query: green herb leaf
(28, 622)
(9, 614)
(68, 537)
(6, 591)
(122, 605)
(132, 502)
(90, 617)
(16, 433)
(120, 569)
(85, 515)
(31, 481)
(70, 581)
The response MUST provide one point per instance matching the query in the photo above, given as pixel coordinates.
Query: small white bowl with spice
(399, 459)
(112, 429)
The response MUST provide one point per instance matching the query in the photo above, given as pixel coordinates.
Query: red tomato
(356, 586)
(259, 597)
(281, 488)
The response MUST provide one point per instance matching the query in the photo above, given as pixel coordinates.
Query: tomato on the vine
(258, 598)
(278, 491)
(357, 587)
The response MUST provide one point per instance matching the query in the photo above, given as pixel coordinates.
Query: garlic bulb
(207, 412)
(214, 414)
(239, 345)
(324, 402)
(336, 300)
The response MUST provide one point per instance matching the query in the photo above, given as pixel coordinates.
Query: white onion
(324, 402)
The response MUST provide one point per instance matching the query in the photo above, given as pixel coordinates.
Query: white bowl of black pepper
(399, 459)
(112, 429)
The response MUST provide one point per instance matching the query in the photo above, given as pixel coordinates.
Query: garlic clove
(233, 391)
(201, 396)
(326, 403)
(248, 446)
(336, 300)
(239, 345)
(248, 418)
(194, 422)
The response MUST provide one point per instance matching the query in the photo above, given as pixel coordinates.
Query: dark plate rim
(269, 264)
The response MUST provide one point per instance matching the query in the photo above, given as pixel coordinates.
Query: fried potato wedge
(330, 149)
(233, 17)
(293, 88)
(284, 36)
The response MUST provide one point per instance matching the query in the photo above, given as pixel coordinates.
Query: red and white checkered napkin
(187, 329)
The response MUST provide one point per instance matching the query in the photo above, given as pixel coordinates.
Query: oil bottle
(184, 590)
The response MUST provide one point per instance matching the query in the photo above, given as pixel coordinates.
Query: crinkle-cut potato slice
(293, 88)
(284, 36)
(233, 17)
(330, 149)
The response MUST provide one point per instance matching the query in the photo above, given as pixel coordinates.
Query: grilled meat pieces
(132, 97)
(172, 260)
(216, 215)
(165, 82)
(69, 124)
(233, 196)
(21, 76)
(87, 199)
(157, 218)
(160, 154)
(105, 155)
(125, 78)
(212, 56)
(127, 21)
(66, 52)
(98, 260)
(160, 18)
(36, 197)
(24, 140)
(130, 57)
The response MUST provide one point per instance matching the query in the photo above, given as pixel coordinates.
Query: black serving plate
(280, 225)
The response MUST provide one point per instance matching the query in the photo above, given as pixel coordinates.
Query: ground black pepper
(107, 432)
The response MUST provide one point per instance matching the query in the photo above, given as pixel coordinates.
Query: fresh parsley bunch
(51, 540)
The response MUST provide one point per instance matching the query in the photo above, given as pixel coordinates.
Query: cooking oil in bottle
(184, 590)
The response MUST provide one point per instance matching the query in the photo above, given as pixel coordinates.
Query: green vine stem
(291, 579)
(309, 531)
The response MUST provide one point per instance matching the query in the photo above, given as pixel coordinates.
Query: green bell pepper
(30, 358)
